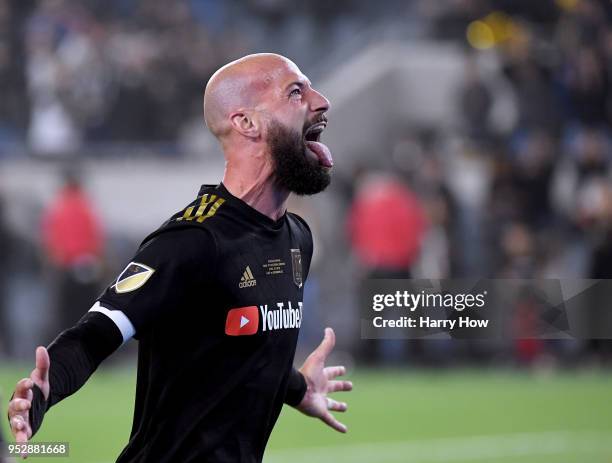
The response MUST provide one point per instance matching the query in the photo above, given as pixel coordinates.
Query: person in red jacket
(73, 243)
(386, 225)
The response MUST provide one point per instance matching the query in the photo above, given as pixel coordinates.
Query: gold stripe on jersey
(200, 216)
(212, 210)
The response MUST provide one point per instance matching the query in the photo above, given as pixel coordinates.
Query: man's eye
(295, 91)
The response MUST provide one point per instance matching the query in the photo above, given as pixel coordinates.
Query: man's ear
(246, 124)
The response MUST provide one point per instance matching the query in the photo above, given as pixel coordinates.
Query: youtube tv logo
(242, 321)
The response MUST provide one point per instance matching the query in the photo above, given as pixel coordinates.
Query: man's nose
(318, 102)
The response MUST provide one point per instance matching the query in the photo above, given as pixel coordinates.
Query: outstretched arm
(320, 381)
(61, 370)
(124, 310)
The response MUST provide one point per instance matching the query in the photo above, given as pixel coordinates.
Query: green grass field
(457, 416)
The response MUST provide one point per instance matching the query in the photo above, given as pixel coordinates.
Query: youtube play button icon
(242, 321)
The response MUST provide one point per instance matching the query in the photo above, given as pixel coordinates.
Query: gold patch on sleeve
(133, 277)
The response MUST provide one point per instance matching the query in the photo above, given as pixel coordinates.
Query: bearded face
(302, 163)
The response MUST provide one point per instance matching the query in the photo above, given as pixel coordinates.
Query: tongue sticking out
(322, 152)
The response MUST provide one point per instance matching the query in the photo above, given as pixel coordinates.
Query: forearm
(75, 354)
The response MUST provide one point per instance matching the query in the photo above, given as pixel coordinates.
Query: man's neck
(257, 189)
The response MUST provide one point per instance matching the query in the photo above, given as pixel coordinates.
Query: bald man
(214, 296)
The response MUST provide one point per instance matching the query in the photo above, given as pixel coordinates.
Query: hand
(20, 404)
(320, 382)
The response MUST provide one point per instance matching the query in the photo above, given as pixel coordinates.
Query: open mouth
(318, 150)
(313, 133)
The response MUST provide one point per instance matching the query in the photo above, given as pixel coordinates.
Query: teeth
(316, 128)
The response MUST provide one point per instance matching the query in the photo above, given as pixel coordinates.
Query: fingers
(41, 372)
(339, 386)
(20, 429)
(17, 406)
(336, 406)
(18, 410)
(23, 388)
(18, 413)
(327, 345)
(329, 420)
(333, 372)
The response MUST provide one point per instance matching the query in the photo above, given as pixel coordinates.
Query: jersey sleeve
(156, 282)
(308, 249)
(296, 388)
(75, 355)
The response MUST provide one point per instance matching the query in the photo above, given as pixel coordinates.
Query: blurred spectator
(588, 88)
(386, 224)
(475, 102)
(419, 161)
(519, 252)
(601, 264)
(588, 163)
(5, 257)
(527, 348)
(533, 169)
(13, 95)
(73, 242)
(539, 108)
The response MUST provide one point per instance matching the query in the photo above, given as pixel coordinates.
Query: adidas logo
(247, 279)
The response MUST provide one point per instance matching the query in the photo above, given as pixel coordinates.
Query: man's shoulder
(194, 219)
(298, 220)
(190, 227)
(297, 223)
(200, 210)
(179, 243)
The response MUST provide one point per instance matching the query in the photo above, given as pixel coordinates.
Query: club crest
(296, 264)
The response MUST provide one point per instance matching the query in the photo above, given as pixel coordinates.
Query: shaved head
(269, 119)
(241, 85)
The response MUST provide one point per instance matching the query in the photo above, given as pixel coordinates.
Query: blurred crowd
(78, 73)
(100, 71)
(533, 200)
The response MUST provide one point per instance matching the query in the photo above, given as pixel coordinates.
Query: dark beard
(294, 170)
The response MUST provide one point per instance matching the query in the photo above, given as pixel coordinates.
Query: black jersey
(3, 448)
(215, 296)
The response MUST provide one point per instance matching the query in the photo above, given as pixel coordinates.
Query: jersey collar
(247, 210)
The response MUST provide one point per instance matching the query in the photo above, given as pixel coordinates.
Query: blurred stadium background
(480, 127)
